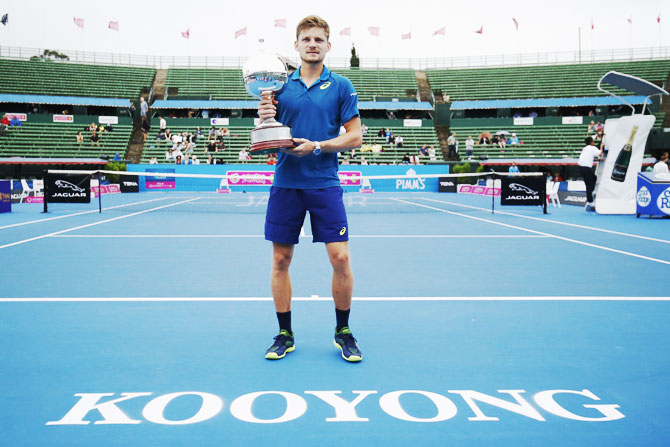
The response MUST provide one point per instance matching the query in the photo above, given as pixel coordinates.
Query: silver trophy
(267, 73)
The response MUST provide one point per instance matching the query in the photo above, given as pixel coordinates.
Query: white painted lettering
(344, 411)
(522, 406)
(110, 413)
(545, 399)
(154, 410)
(390, 403)
(241, 407)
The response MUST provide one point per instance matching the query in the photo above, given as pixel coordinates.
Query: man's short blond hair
(312, 22)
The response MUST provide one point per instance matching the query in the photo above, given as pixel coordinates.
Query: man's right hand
(267, 108)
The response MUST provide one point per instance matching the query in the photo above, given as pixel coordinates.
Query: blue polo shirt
(315, 113)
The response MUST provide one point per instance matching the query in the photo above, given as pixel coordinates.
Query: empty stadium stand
(551, 81)
(205, 83)
(61, 78)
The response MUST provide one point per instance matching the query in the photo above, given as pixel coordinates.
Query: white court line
(95, 223)
(329, 299)
(584, 227)
(362, 236)
(20, 224)
(574, 241)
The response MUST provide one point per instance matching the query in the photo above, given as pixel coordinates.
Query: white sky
(154, 28)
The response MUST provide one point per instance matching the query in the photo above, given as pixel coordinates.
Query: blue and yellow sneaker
(345, 342)
(283, 344)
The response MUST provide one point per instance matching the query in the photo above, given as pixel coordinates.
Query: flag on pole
(374, 30)
(79, 22)
(516, 24)
(407, 36)
(480, 30)
(592, 25)
(280, 23)
(630, 20)
(113, 25)
(240, 32)
(186, 34)
(658, 19)
(5, 19)
(345, 32)
(439, 32)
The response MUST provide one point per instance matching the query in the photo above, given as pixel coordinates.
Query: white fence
(504, 60)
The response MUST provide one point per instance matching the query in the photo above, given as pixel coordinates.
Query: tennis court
(149, 328)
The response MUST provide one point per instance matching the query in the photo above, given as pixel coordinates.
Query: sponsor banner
(447, 184)
(653, 194)
(573, 120)
(523, 121)
(249, 178)
(350, 178)
(108, 119)
(411, 123)
(106, 189)
(69, 188)
(625, 139)
(130, 183)
(5, 196)
(21, 196)
(572, 198)
(219, 121)
(20, 116)
(523, 190)
(63, 118)
(478, 190)
(160, 181)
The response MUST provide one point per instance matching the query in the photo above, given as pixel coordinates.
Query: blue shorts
(286, 214)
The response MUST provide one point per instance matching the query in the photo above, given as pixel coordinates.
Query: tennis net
(239, 192)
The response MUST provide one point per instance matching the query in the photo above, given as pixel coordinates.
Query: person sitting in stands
(557, 177)
(95, 139)
(431, 153)
(177, 160)
(117, 157)
(513, 139)
(399, 141)
(377, 148)
(382, 132)
(15, 121)
(5, 120)
(80, 138)
(211, 146)
(423, 150)
(405, 159)
(153, 161)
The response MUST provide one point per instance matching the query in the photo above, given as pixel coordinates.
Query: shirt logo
(325, 85)
(343, 230)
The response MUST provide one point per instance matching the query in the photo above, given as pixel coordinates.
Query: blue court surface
(148, 328)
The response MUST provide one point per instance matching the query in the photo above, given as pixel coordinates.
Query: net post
(544, 192)
(99, 193)
(45, 174)
(493, 185)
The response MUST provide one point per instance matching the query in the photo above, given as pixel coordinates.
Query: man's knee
(339, 259)
(281, 258)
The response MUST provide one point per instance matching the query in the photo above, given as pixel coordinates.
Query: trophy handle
(269, 121)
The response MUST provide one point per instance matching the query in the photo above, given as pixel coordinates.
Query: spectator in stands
(451, 144)
(169, 154)
(144, 108)
(377, 148)
(92, 127)
(195, 160)
(210, 160)
(15, 121)
(5, 120)
(178, 160)
(513, 169)
(80, 138)
(145, 129)
(117, 157)
(162, 124)
(662, 164)
(445, 97)
(502, 142)
(423, 150)
(153, 161)
(586, 159)
(225, 132)
(484, 138)
(557, 177)
(390, 139)
(272, 160)
(513, 139)
(177, 153)
(533, 114)
(212, 134)
(381, 133)
(243, 156)
(211, 146)
(431, 153)
(469, 147)
(168, 135)
(391, 115)
(198, 133)
(220, 146)
(95, 139)
(405, 159)
(364, 162)
(3, 130)
(364, 130)
(399, 141)
(345, 160)
(591, 128)
(599, 126)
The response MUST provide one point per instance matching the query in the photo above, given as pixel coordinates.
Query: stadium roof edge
(543, 102)
(253, 104)
(63, 100)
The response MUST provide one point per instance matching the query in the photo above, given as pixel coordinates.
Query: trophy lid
(264, 72)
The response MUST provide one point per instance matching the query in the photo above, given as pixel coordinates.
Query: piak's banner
(625, 139)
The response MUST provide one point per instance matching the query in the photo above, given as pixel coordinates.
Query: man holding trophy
(313, 103)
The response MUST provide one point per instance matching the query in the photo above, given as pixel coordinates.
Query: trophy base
(270, 138)
(270, 147)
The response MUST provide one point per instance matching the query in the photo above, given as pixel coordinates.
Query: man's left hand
(305, 147)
